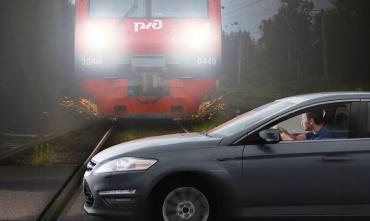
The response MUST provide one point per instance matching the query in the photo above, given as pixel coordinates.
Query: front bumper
(131, 205)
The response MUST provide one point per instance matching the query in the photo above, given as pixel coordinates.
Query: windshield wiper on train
(133, 9)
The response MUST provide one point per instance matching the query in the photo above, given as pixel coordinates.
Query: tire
(183, 203)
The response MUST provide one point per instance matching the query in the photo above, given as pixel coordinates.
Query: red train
(148, 58)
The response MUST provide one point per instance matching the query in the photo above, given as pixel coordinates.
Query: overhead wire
(243, 7)
(256, 31)
(240, 15)
(269, 11)
(237, 3)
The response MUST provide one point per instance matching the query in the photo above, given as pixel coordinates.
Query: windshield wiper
(205, 133)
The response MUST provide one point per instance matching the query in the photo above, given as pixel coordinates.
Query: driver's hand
(282, 130)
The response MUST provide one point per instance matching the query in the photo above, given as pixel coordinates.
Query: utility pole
(324, 42)
(239, 51)
(240, 56)
(324, 45)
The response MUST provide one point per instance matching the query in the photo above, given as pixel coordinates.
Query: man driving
(313, 122)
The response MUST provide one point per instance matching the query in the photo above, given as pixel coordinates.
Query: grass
(67, 149)
(129, 134)
(124, 136)
(43, 154)
(207, 125)
(204, 126)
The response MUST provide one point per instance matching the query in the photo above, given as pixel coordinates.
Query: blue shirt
(323, 133)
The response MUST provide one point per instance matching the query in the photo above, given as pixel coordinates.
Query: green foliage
(129, 134)
(43, 154)
(68, 148)
(124, 135)
(207, 125)
(302, 50)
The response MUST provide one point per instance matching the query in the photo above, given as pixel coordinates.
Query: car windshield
(241, 122)
(180, 9)
(117, 8)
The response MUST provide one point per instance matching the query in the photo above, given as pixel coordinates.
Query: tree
(348, 26)
(286, 39)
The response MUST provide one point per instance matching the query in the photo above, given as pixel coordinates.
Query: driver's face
(306, 124)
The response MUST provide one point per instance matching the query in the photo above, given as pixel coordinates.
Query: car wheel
(185, 203)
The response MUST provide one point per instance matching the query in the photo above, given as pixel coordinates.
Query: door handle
(336, 158)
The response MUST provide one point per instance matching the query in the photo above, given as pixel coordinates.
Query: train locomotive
(147, 58)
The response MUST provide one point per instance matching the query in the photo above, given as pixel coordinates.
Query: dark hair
(316, 115)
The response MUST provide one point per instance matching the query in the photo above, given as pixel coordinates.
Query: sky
(250, 13)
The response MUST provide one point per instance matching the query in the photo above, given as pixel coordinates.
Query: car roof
(326, 96)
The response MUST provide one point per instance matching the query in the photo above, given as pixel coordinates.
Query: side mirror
(270, 135)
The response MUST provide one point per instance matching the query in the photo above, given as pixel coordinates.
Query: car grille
(90, 166)
(89, 198)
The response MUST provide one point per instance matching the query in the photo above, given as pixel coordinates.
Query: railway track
(70, 199)
(55, 206)
(33, 173)
(19, 138)
(30, 143)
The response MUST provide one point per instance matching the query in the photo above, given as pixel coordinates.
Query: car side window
(368, 119)
(321, 122)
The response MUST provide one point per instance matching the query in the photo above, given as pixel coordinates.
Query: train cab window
(322, 122)
(117, 8)
(180, 9)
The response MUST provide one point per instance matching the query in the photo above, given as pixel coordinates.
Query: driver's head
(310, 119)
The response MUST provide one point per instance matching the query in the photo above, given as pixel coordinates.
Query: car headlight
(125, 164)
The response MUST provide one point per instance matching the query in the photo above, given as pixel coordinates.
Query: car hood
(157, 144)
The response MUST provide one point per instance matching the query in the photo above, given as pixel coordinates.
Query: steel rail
(23, 147)
(56, 206)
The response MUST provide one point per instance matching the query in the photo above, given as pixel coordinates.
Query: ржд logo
(156, 25)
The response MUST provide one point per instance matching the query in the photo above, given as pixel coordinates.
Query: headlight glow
(100, 37)
(197, 37)
(125, 164)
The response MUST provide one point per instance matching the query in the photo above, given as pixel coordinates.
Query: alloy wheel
(185, 203)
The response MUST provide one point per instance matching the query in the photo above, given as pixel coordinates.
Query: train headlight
(125, 164)
(100, 37)
(197, 37)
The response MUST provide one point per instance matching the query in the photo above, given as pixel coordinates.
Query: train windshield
(117, 8)
(159, 8)
(180, 9)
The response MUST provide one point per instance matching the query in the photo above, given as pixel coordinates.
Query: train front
(148, 58)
